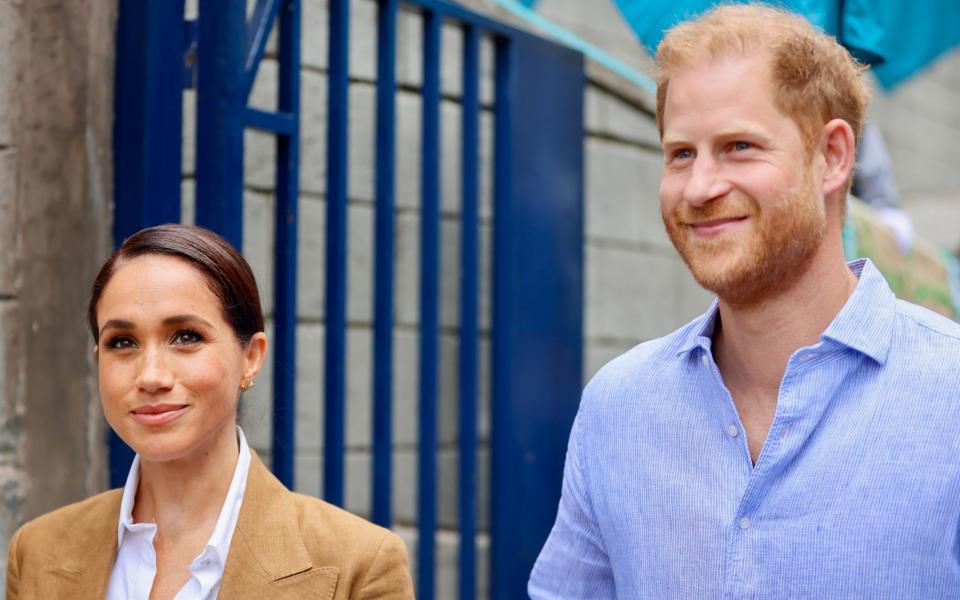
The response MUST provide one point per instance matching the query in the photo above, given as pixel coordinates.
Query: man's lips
(715, 227)
(158, 414)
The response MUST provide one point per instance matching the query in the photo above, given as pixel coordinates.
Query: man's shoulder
(655, 359)
(924, 323)
(925, 347)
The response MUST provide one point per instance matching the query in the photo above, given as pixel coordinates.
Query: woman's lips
(715, 227)
(158, 414)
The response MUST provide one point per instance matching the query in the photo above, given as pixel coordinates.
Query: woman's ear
(838, 149)
(255, 353)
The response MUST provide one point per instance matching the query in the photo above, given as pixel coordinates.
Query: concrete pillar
(56, 111)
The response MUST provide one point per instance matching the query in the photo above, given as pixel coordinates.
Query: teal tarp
(898, 37)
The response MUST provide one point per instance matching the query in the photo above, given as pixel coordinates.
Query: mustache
(714, 211)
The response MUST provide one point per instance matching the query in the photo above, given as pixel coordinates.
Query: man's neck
(752, 344)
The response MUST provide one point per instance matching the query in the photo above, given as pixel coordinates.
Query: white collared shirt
(136, 563)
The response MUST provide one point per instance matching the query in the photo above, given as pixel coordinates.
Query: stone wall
(56, 82)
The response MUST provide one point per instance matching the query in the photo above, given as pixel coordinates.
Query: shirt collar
(227, 519)
(863, 324)
(699, 333)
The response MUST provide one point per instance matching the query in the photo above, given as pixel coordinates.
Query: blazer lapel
(267, 556)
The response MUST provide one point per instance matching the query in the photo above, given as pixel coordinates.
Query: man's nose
(706, 183)
(153, 374)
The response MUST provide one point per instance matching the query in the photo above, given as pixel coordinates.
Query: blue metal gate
(537, 253)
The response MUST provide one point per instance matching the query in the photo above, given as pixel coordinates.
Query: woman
(176, 318)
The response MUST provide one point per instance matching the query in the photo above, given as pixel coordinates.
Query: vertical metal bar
(469, 292)
(538, 296)
(502, 175)
(383, 262)
(220, 109)
(148, 106)
(429, 303)
(336, 276)
(285, 265)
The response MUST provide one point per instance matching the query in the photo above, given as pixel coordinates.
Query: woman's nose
(153, 374)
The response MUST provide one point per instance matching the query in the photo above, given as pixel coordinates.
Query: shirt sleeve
(573, 564)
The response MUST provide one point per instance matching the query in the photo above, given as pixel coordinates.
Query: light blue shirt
(856, 493)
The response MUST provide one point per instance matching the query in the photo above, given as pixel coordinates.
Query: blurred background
(452, 213)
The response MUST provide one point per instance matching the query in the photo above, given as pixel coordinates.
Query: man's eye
(186, 337)
(121, 342)
(741, 146)
(683, 154)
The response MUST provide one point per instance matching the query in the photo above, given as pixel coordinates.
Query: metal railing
(537, 278)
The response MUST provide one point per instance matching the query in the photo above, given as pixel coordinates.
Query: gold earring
(246, 385)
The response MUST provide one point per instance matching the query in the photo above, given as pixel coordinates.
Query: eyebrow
(174, 320)
(726, 134)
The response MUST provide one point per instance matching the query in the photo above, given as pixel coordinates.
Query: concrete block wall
(920, 121)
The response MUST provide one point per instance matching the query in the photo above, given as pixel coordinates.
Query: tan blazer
(285, 546)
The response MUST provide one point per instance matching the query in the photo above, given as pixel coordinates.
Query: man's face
(737, 195)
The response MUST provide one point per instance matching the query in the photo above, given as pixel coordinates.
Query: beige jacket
(285, 546)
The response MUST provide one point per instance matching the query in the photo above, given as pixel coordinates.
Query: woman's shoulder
(314, 513)
(74, 520)
(371, 558)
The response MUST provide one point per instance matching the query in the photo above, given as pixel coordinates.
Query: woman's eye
(186, 337)
(121, 342)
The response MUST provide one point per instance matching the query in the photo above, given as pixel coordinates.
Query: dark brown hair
(227, 273)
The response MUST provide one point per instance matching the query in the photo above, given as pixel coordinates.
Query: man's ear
(838, 149)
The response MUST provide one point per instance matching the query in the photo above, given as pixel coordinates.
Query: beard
(751, 267)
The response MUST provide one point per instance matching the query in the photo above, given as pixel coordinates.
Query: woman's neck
(187, 493)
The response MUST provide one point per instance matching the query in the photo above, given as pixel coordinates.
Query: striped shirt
(856, 493)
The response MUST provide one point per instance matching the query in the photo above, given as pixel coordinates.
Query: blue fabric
(855, 24)
(900, 38)
(915, 35)
(856, 493)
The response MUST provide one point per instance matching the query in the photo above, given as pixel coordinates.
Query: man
(802, 438)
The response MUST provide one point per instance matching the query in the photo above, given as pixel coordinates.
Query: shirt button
(206, 562)
(744, 523)
(733, 431)
(706, 360)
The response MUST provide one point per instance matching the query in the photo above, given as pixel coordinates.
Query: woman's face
(170, 365)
